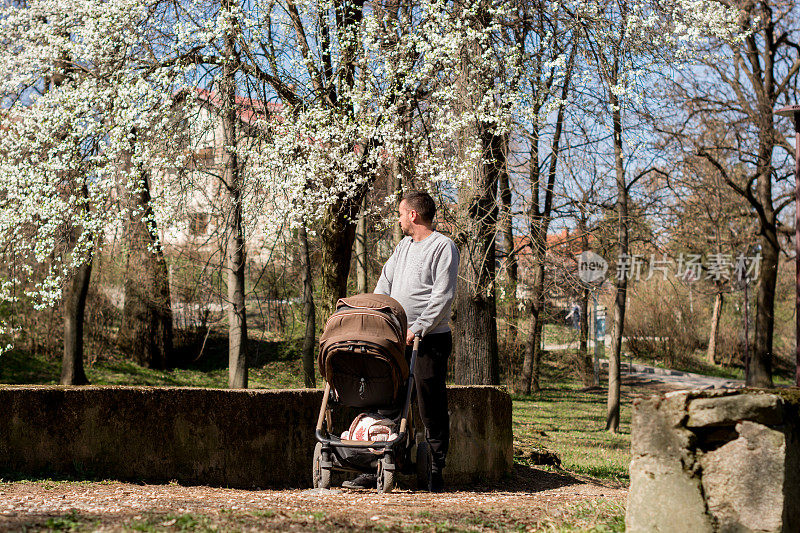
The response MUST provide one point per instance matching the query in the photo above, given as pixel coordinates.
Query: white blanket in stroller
(369, 426)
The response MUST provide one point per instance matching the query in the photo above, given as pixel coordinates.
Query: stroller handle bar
(414, 351)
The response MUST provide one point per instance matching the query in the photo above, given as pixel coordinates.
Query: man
(574, 316)
(421, 274)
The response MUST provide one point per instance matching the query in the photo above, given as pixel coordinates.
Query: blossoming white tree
(75, 93)
(91, 83)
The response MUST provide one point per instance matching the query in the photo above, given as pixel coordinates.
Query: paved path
(676, 378)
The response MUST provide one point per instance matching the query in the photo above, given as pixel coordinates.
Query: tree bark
(711, 352)
(395, 19)
(620, 298)
(767, 92)
(539, 225)
(72, 372)
(538, 254)
(530, 379)
(585, 366)
(397, 186)
(309, 311)
(761, 359)
(361, 250)
(77, 287)
(146, 329)
(510, 264)
(338, 229)
(234, 234)
(337, 235)
(761, 73)
(475, 306)
(475, 340)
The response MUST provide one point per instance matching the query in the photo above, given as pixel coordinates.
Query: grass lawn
(570, 422)
(558, 334)
(273, 365)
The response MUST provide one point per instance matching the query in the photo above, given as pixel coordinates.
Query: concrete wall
(715, 462)
(249, 438)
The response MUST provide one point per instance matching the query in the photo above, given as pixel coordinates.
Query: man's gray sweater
(422, 276)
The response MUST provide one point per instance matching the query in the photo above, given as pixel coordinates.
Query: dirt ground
(531, 500)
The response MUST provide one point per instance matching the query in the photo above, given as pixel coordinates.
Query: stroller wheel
(320, 476)
(386, 475)
(424, 464)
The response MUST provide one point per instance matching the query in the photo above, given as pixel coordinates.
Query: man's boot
(364, 481)
(436, 482)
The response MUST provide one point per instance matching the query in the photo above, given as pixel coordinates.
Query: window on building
(198, 223)
(203, 159)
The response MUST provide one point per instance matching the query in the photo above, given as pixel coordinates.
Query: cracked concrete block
(726, 411)
(659, 423)
(737, 454)
(664, 498)
(743, 480)
(791, 481)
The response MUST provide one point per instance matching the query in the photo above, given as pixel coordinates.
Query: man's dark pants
(430, 375)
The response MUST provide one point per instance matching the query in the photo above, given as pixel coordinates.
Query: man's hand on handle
(409, 337)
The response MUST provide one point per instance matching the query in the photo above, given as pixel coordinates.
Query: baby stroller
(362, 358)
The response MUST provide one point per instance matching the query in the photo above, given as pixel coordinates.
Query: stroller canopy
(372, 322)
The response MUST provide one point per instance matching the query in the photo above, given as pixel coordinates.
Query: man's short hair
(422, 203)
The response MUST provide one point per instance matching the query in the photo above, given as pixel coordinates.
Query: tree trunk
(536, 278)
(620, 298)
(539, 225)
(77, 288)
(510, 265)
(585, 366)
(397, 185)
(476, 353)
(337, 236)
(403, 166)
(768, 61)
(711, 353)
(361, 250)
(475, 339)
(234, 233)
(309, 312)
(761, 359)
(146, 329)
(529, 381)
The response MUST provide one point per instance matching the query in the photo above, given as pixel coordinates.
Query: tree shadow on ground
(18, 367)
(211, 353)
(525, 478)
